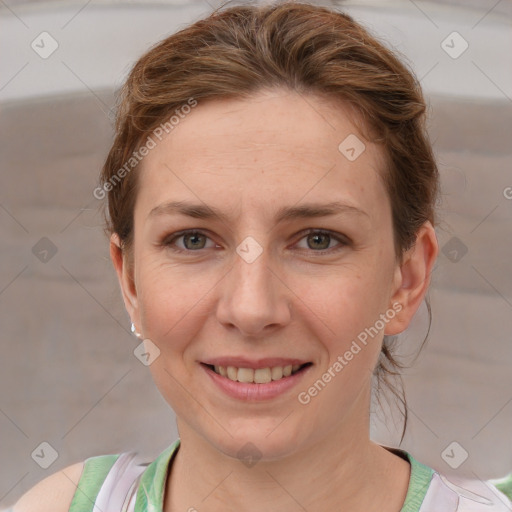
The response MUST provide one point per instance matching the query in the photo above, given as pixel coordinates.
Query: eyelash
(168, 242)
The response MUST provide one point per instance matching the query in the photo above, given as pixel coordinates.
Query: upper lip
(243, 362)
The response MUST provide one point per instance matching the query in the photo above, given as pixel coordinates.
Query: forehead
(275, 147)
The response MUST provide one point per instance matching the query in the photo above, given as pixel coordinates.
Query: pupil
(193, 237)
(320, 235)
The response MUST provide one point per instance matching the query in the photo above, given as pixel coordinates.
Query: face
(260, 271)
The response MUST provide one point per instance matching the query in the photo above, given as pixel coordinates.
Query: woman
(271, 208)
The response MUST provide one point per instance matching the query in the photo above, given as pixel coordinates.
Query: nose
(254, 299)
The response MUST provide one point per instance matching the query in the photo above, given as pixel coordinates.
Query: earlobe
(412, 278)
(124, 276)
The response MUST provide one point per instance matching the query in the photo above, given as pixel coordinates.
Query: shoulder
(430, 489)
(465, 494)
(54, 493)
(102, 482)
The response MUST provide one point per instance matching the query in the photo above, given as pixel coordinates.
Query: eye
(320, 240)
(317, 241)
(192, 240)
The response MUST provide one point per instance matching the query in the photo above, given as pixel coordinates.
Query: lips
(252, 381)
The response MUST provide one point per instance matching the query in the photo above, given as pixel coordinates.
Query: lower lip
(251, 392)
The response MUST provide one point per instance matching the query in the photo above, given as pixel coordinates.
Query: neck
(358, 475)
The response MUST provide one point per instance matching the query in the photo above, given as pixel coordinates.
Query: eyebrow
(304, 211)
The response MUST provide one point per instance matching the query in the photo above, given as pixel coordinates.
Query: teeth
(231, 373)
(245, 375)
(259, 376)
(277, 372)
(262, 375)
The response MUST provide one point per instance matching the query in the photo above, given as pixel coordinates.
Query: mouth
(258, 375)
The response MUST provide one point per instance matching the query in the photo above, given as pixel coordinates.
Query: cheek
(344, 314)
(347, 323)
(345, 301)
(169, 305)
(170, 302)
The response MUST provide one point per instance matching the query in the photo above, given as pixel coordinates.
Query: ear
(412, 278)
(125, 276)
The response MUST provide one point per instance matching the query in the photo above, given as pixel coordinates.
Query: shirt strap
(150, 493)
(93, 475)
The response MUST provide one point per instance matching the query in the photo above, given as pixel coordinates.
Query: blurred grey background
(68, 374)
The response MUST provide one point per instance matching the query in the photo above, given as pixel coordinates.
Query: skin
(248, 158)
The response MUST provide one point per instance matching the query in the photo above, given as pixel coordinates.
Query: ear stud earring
(134, 331)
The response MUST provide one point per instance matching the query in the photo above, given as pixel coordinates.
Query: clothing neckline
(419, 480)
(150, 496)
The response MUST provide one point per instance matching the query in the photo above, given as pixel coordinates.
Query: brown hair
(310, 49)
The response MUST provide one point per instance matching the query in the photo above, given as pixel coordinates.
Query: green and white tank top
(118, 483)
